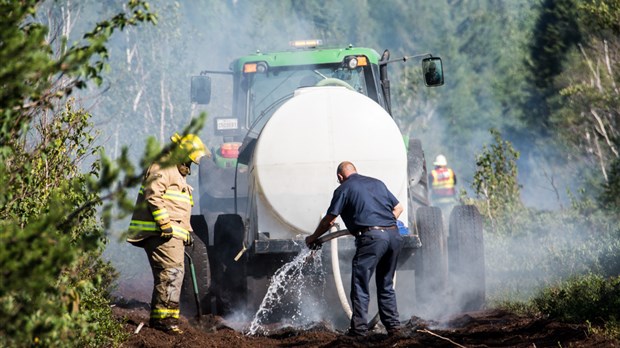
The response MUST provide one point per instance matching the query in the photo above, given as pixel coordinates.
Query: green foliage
(573, 98)
(590, 298)
(50, 258)
(601, 16)
(555, 33)
(495, 183)
(94, 304)
(54, 284)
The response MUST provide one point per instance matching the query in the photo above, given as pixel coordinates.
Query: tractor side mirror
(433, 71)
(201, 89)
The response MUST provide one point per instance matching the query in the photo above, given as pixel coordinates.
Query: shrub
(496, 184)
(54, 285)
(590, 298)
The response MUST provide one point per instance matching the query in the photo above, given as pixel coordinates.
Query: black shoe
(354, 333)
(395, 332)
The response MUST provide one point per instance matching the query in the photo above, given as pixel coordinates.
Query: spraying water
(293, 289)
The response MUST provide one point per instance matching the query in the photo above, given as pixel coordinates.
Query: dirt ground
(490, 328)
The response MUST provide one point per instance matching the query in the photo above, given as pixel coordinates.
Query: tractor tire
(200, 259)
(431, 261)
(466, 258)
(230, 284)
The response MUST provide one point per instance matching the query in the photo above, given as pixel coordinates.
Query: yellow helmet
(193, 145)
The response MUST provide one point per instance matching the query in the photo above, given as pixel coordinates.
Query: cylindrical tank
(293, 169)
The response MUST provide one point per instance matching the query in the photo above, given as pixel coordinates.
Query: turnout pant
(166, 258)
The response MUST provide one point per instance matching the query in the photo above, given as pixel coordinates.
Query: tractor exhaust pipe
(385, 81)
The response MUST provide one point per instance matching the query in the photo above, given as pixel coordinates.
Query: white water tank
(294, 164)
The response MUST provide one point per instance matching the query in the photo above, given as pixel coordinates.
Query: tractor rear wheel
(431, 261)
(200, 260)
(466, 257)
(199, 255)
(230, 283)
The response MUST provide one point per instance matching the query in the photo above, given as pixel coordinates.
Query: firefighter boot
(168, 325)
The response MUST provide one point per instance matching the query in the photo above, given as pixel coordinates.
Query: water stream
(294, 294)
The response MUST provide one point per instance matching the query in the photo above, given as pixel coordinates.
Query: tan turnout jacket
(168, 198)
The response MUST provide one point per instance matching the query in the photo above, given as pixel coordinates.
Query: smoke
(553, 249)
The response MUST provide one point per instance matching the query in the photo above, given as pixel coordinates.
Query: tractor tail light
(256, 67)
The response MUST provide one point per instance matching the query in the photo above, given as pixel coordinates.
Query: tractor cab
(264, 81)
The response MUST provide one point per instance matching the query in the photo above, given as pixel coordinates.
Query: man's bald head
(345, 169)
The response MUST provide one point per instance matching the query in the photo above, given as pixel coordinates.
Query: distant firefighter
(443, 183)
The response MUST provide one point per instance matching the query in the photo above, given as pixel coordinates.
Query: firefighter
(443, 183)
(161, 225)
(369, 210)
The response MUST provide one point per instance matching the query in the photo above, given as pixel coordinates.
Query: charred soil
(490, 328)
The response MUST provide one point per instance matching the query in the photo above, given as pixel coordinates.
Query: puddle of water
(295, 293)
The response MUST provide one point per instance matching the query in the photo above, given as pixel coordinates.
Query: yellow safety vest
(443, 184)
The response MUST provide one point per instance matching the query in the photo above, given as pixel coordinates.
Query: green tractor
(295, 115)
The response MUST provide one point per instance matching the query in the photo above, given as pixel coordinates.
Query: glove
(166, 230)
(315, 245)
(189, 241)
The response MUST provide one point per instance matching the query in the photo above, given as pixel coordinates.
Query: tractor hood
(293, 168)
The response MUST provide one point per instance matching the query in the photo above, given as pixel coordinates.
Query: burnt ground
(489, 328)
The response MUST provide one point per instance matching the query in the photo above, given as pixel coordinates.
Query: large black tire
(229, 283)
(200, 259)
(466, 258)
(431, 261)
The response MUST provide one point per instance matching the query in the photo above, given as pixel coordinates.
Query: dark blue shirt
(363, 201)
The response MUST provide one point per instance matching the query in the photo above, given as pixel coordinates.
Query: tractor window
(268, 91)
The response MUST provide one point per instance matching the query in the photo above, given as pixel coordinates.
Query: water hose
(195, 284)
(338, 279)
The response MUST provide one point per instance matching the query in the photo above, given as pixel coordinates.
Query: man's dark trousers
(375, 249)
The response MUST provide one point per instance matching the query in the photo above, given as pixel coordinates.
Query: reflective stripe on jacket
(443, 182)
(164, 197)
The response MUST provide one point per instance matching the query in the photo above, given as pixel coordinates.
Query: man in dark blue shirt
(369, 211)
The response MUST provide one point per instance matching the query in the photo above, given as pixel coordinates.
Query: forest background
(542, 75)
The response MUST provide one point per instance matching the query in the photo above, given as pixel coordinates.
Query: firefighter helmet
(192, 144)
(440, 160)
